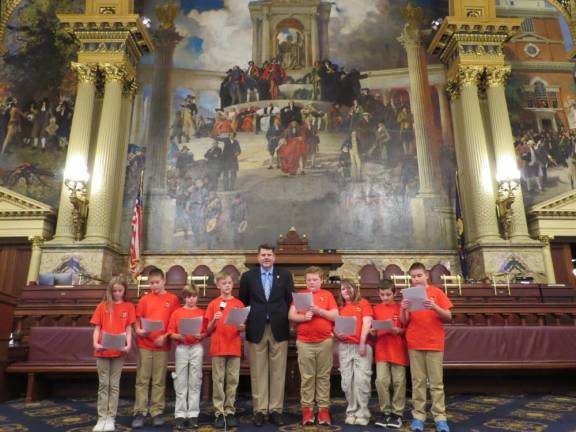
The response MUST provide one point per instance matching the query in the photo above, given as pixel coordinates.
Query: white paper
(190, 326)
(151, 325)
(237, 316)
(303, 301)
(416, 297)
(114, 341)
(345, 325)
(382, 324)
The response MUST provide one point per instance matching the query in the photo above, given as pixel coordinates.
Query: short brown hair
(189, 291)
(386, 284)
(222, 275)
(315, 270)
(353, 291)
(266, 246)
(417, 266)
(156, 272)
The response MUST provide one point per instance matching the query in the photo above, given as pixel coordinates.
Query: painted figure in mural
(236, 84)
(379, 151)
(293, 149)
(273, 136)
(330, 77)
(15, 115)
(41, 120)
(313, 141)
(213, 214)
(290, 113)
(197, 200)
(238, 219)
(356, 167)
(530, 166)
(222, 125)
(229, 160)
(189, 113)
(252, 78)
(64, 119)
(406, 131)
(275, 75)
(291, 51)
(355, 114)
(264, 117)
(177, 129)
(225, 98)
(315, 79)
(214, 166)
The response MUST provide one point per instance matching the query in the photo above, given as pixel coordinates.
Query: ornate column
(79, 146)
(104, 173)
(548, 262)
(35, 258)
(503, 142)
(266, 51)
(476, 173)
(421, 106)
(314, 37)
(324, 35)
(445, 120)
(255, 57)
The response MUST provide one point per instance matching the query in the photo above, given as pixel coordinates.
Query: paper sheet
(416, 297)
(114, 341)
(382, 324)
(303, 301)
(151, 325)
(190, 326)
(345, 325)
(237, 316)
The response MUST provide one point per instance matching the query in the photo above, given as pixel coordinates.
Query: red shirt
(158, 307)
(174, 324)
(359, 310)
(122, 316)
(225, 339)
(425, 330)
(318, 329)
(390, 348)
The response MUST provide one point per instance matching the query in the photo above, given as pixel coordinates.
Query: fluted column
(35, 259)
(137, 118)
(255, 40)
(266, 52)
(421, 106)
(445, 120)
(503, 143)
(104, 173)
(476, 172)
(325, 46)
(314, 36)
(79, 143)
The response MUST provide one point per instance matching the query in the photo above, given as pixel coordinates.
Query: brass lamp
(508, 184)
(76, 181)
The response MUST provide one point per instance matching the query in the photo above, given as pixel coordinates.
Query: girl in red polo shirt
(355, 354)
(114, 315)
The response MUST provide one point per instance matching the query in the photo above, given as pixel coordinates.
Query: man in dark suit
(268, 290)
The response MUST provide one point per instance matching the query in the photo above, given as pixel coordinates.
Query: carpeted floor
(521, 413)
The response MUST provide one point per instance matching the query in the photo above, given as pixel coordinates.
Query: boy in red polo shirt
(225, 350)
(391, 358)
(425, 339)
(153, 347)
(189, 355)
(314, 345)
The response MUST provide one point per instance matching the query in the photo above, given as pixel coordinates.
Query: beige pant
(315, 364)
(268, 372)
(395, 374)
(225, 376)
(355, 374)
(109, 372)
(188, 380)
(427, 365)
(150, 375)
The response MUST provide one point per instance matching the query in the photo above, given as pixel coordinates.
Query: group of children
(415, 339)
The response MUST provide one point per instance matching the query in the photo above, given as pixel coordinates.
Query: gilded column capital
(482, 89)
(130, 88)
(85, 73)
(496, 76)
(37, 241)
(115, 73)
(470, 75)
(545, 239)
(453, 90)
(410, 37)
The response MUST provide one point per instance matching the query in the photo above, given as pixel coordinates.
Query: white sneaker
(99, 425)
(350, 420)
(109, 425)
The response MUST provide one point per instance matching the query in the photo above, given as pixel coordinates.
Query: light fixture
(76, 181)
(508, 183)
(435, 24)
(147, 22)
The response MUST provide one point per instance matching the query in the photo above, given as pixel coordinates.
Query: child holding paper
(225, 350)
(314, 345)
(114, 315)
(153, 347)
(391, 358)
(425, 339)
(189, 355)
(355, 354)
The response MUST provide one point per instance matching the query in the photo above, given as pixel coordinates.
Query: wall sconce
(508, 184)
(76, 180)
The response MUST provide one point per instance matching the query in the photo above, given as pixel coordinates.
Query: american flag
(136, 240)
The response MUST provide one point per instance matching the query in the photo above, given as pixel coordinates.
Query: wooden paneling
(14, 262)
(562, 258)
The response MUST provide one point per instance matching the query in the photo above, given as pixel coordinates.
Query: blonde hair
(315, 270)
(116, 280)
(222, 275)
(353, 291)
(189, 290)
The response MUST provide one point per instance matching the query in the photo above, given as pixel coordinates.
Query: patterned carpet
(516, 413)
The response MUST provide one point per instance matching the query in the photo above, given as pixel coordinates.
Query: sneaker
(324, 416)
(276, 418)
(231, 420)
(442, 426)
(158, 421)
(138, 421)
(362, 421)
(417, 425)
(179, 424)
(109, 425)
(307, 416)
(350, 420)
(193, 422)
(382, 420)
(258, 419)
(99, 427)
(219, 422)
(394, 421)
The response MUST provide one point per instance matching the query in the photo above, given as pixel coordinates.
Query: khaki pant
(109, 371)
(315, 364)
(225, 376)
(355, 374)
(150, 375)
(188, 380)
(395, 374)
(268, 372)
(427, 365)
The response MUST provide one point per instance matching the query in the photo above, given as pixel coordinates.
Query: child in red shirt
(391, 358)
(189, 355)
(113, 316)
(153, 348)
(314, 345)
(425, 340)
(225, 350)
(355, 354)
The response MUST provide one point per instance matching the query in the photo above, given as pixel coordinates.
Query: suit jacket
(276, 308)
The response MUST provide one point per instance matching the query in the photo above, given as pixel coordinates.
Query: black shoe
(231, 420)
(158, 421)
(382, 420)
(258, 419)
(179, 424)
(193, 422)
(277, 419)
(394, 421)
(138, 421)
(219, 422)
